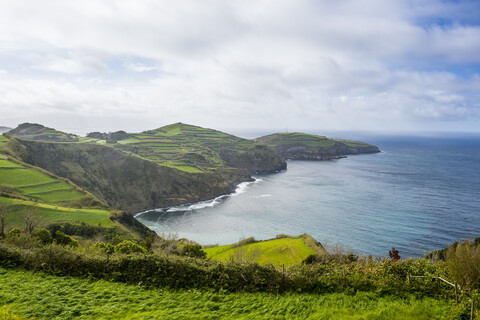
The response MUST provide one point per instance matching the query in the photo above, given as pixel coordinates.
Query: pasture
(37, 295)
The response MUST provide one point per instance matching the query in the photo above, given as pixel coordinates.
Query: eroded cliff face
(258, 159)
(124, 181)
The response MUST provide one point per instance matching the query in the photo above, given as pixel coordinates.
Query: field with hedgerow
(41, 296)
(55, 276)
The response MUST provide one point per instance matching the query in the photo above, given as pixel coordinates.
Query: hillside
(301, 146)
(195, 149)
(124, 181)
(33, 131)
(283, 251)
(32, 196)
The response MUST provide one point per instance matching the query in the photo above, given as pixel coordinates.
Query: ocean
(418, 194)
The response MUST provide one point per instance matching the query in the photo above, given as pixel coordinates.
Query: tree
(4, 210)
(30, 220)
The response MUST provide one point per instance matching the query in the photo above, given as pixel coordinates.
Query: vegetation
(282, 252)
(324, 284)
(33, 131)
(28, 183)
(195, 149)
(123, 181)
(331, 285)
(167, 166)
(301, 146)
(41, 296)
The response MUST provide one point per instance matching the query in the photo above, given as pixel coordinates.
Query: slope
(196, 149)
(33, 131)
(124, 181)
(283, 251)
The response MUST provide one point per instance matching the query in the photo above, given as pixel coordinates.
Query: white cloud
(315, 64)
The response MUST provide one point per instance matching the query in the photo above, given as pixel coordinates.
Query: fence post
(456, 294)
(473, 309)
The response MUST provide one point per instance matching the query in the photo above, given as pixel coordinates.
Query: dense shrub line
(151, 270)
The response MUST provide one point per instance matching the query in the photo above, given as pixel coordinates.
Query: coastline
(237, 188)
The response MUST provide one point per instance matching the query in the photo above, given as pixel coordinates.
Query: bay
(419, 194)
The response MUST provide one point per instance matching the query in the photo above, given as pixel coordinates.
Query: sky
(304, 65)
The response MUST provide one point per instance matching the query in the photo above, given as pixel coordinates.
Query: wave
(262, 196)
(241, 188)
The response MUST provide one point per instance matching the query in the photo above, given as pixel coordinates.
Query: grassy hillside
(40, 296)
(46, 214)
(301, 146)
(33, 131)
(33, 196)
(278, 252)
(37, 186)
(195, 149)
(174, 164)
(123, 181)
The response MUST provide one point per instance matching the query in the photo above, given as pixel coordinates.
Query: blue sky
(363, 65)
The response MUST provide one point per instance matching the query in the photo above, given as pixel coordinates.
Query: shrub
(106, 247)
(43, 235)
(463, 262)
(194, 251)
(15, 232)
(244, 242)
(128, 246)
(65, 240)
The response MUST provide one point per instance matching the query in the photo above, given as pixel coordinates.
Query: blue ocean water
(419, 194)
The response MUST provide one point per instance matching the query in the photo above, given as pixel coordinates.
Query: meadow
(185, 147)
(36, 185)
(45, 213)
(282, 252)
(28, 295)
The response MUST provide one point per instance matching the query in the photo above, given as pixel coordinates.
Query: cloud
(358, 64)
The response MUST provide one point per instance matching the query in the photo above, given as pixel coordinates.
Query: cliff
(301, 146)
(124, 181)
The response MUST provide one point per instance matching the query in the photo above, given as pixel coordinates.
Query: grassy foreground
(40, 296)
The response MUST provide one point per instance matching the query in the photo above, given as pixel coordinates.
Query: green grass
(49, 213)
(41, 296)
(351, 143)
(35, 184)
(296, 138)
(286, 251)
(176, 143)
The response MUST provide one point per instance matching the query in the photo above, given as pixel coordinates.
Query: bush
(194, 251)
(43, 235)
(15, 232)
(244, 242)
(65, 240)
(463, 261)
(106, 247)
(129, 247)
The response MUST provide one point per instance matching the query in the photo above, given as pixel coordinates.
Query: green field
(278, 252)
(184, 147)
(352, 143)
(296, 138)
(46, 214)
(40, 296)
(35, 184)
